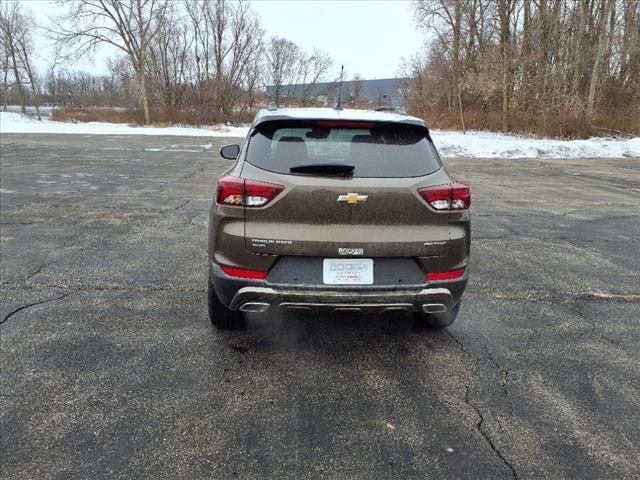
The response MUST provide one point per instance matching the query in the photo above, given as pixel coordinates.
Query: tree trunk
(630, 64)
(36, 99)
(602, 44)
(32, 79)
(5, 88)
(580, 40)
(23, 107)
(505, 90)
(276, 93)
(142, 83)
(541, 73)
(504, 10)
(526, 53)
(457, 21)
(464, 130)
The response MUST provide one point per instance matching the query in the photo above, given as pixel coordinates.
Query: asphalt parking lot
(110, 368)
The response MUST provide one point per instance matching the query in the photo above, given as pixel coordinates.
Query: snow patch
(499, 145)
(12, 122)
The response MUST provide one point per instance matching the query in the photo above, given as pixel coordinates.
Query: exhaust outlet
(256, 307)
(434, 308)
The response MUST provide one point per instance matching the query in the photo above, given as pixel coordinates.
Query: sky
(368, 37)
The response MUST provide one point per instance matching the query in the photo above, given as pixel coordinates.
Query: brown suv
(337, 210)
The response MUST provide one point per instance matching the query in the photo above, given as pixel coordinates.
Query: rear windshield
(374, 150)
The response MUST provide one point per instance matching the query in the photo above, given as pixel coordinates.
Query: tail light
(230, 191)
(456, 196)
(450, 275)
(244, 273)
(241, 192)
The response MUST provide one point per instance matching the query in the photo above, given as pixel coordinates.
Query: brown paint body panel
(307, 219)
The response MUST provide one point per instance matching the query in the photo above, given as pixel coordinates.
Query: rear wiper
(327, 168)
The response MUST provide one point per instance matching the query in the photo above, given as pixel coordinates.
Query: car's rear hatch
(375, 211)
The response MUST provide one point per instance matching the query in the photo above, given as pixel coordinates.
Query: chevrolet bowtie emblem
(353, 198)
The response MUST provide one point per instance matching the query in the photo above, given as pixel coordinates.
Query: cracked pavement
(111, 369)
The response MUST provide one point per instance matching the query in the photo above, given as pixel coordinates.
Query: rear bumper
(261, 299)
(261, 295)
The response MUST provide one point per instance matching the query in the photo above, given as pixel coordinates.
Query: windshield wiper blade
(328, 168)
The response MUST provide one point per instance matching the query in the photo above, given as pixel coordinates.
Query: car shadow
(338, 333)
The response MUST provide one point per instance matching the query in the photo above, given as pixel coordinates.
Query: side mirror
(230, 152)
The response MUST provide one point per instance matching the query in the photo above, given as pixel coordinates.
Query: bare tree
(51, 77)
(25, 51)
(630, 48)
(254, 73)
(169, 59)
(357, 88)
(227, 41)
(506, 10)
(313, 68)
(5, 58)
(550, 65)
(446, 14)
(282, 58)
(130, 26)
(602, 35)
(13, 27)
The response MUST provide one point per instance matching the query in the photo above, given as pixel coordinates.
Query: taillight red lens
(456, 196)
(248, 193)
(460, 196)
(230, 191)
(243, 273)
(450, 275)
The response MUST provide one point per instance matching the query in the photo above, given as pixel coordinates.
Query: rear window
(375, 150)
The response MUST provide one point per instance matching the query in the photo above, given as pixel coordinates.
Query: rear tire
(436, 320)
(222, 317)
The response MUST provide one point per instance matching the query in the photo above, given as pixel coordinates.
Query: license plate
(347, 271)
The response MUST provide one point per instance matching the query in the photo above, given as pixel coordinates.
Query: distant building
(382, 91)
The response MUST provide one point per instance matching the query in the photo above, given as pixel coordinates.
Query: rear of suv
(337, 210)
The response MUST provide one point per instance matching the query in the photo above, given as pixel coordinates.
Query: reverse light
(450, 275)
(456, 196)
(257, 194)
(240, 192)
(244, 273)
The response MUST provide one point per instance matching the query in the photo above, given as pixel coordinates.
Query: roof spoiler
(398, 110)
